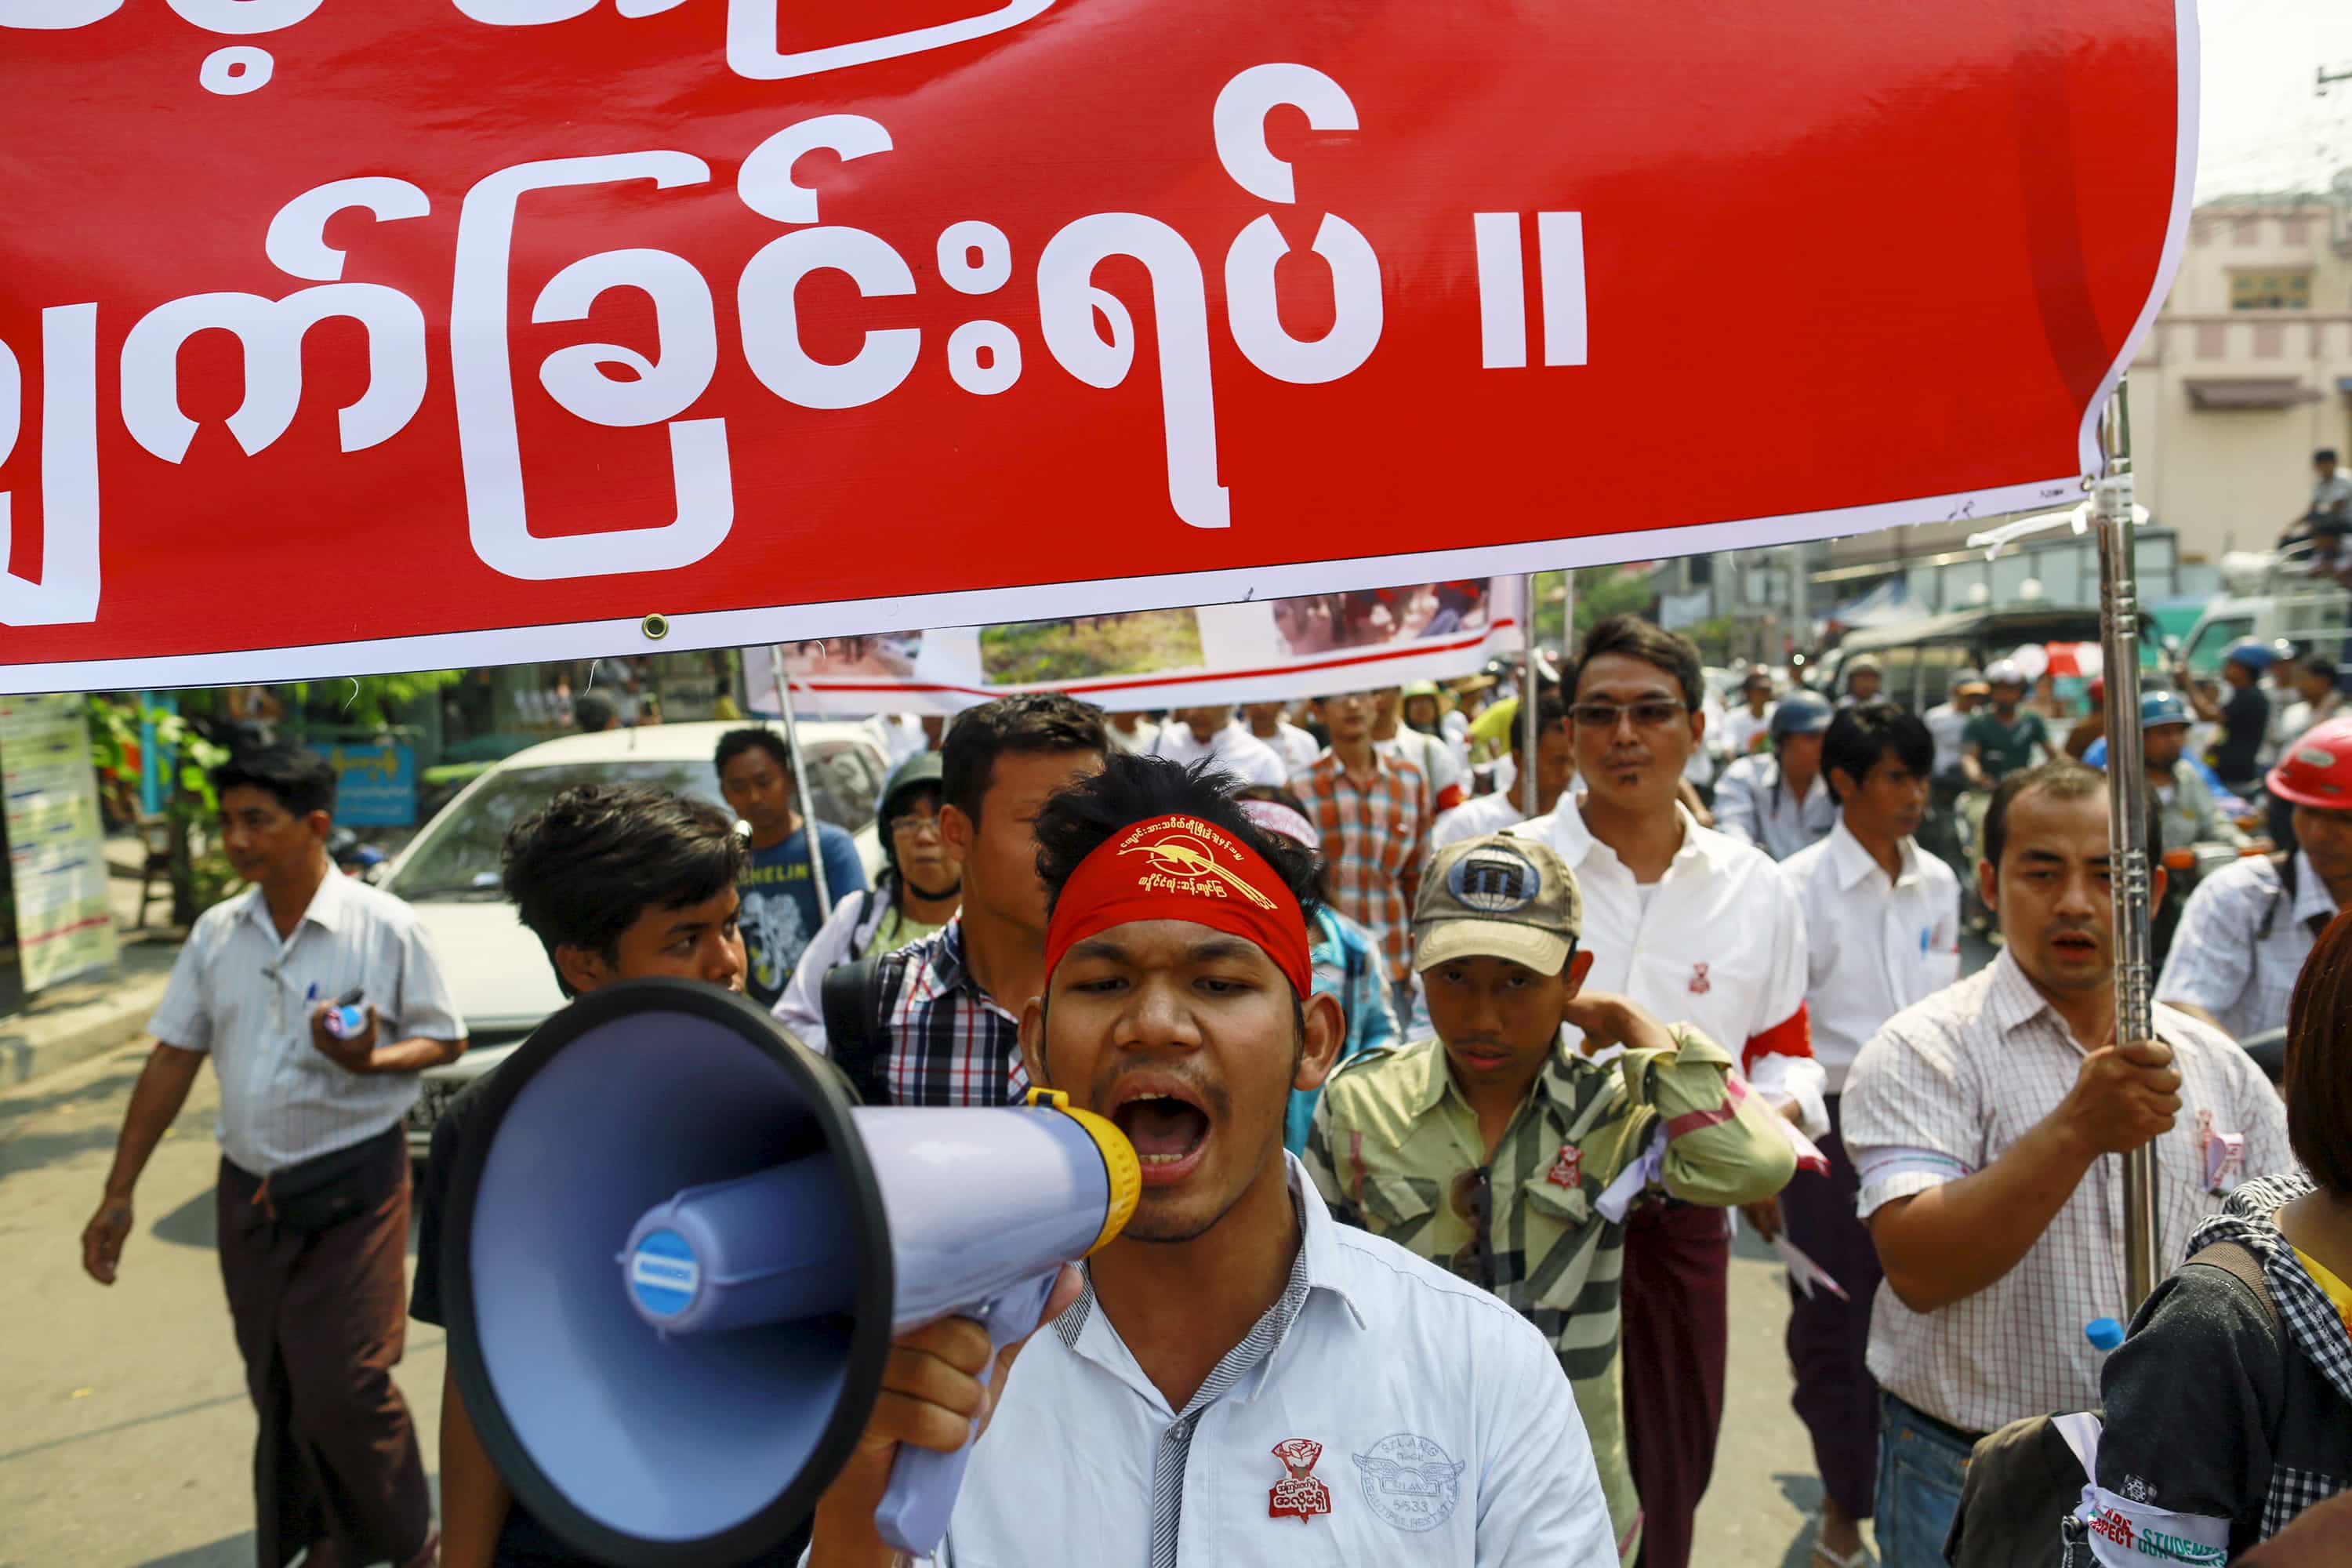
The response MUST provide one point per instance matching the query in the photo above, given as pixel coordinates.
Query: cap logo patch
(1180, 859)
(1494, 880)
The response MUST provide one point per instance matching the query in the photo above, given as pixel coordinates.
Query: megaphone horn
(677, 1259)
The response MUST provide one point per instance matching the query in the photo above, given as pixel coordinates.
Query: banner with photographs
(1257, 651)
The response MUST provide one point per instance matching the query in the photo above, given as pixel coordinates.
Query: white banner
(1256, 651)
(56, 849)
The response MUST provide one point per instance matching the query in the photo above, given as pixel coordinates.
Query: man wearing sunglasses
(1510, 1156)
(1240, 1380)
(1690, 925)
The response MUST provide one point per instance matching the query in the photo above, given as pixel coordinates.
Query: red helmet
(2317, 769)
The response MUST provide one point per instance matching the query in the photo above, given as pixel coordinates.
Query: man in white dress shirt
(1241, 1380)
(1214, 734)
(1506, 807)
(1694, 926)
(1270, 722)
(1882, 931)
(313, 1193)
(2247, 928)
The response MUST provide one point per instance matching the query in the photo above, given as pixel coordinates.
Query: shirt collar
(1857, 865)
(1575, 842)
(1433, 1078)
(2010, 998)
(1318, 1246)
(1317, 1268)
(2311, 894)
(948, 971)
(325, 910)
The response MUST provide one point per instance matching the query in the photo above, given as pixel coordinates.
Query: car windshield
(456, 856)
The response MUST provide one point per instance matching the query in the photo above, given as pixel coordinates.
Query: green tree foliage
(1600, 592)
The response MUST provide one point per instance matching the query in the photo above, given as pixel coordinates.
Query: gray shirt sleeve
(1737, 814)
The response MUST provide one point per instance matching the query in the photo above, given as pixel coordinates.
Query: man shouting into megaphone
(1240, 1373)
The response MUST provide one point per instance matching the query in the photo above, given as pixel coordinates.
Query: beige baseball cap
(1498, 896)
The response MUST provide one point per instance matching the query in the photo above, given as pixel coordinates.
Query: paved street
(129, 1435)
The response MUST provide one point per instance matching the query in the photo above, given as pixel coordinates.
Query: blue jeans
(1921, 1464)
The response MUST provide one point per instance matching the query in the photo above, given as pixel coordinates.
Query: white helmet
(2004, 672)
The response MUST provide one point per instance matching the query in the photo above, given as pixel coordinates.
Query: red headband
(1182, 869)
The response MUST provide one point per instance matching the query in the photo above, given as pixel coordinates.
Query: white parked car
(449, 871)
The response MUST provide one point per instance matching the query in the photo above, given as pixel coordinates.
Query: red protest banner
(339, 337)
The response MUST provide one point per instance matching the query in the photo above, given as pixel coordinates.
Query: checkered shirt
(2314, 1327)
(950, 1043)
(1375, 841)
(2221, 958)
(1954, 1082)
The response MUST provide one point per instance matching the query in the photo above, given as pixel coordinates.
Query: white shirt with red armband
(1718, 943)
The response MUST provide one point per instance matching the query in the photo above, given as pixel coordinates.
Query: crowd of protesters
(1526, 1067)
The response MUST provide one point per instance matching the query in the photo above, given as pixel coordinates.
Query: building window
(2270, 291)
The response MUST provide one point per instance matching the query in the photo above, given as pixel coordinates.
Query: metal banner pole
(2111, 504)
(1527, 694)
(800, 779)
(1567, 620)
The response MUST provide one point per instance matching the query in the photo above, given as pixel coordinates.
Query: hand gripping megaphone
(676, 1259)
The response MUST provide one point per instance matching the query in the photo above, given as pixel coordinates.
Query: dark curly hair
(1132, 788)
(583, 868)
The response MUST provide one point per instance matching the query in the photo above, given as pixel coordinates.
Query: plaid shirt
(1375, 841)
(949, 1044)
(2222, 959)
(1947, 1088)
(1393, 1136)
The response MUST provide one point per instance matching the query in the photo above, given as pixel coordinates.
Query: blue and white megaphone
(676, 1258)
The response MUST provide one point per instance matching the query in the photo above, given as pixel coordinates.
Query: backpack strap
(2281, 867)
(2232, 1258)
(851, 1000)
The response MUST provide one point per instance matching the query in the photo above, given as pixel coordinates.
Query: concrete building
(2248, 370)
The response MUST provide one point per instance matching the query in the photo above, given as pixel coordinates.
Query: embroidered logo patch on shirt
(1568, 1170)
(1299, 1495)
(1700, 985)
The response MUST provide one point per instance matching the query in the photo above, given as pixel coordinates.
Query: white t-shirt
(1436, 1421)
(1476, 818)
(1294, 745)
(1234, 748)
(1946, 726)
(1742, 730)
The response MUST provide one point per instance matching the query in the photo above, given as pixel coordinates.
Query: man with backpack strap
(919, 889)
(2248, 928)
(939, 1022)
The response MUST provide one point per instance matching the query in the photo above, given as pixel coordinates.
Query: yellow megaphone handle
(1120, 1163)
